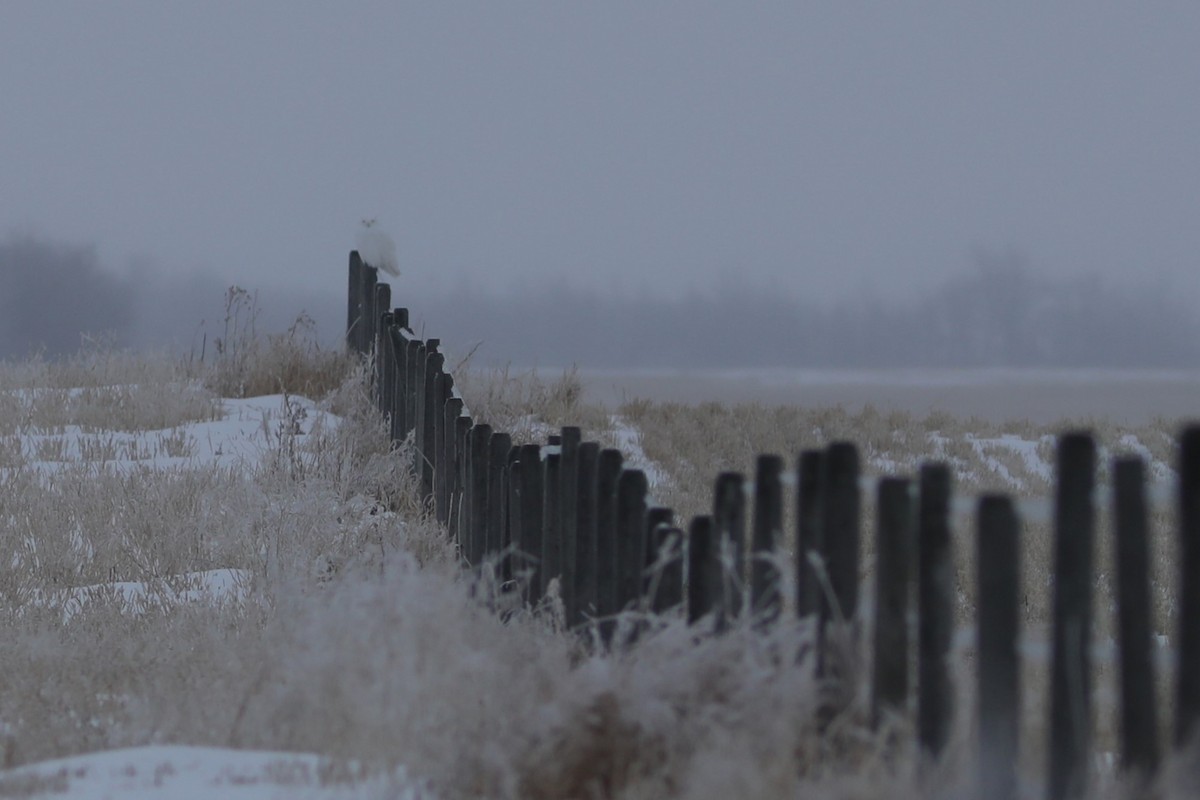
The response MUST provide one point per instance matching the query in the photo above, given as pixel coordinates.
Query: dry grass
(358, 637)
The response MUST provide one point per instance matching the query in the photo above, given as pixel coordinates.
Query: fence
(571, 512)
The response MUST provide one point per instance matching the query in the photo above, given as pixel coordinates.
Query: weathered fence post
(657, 517)
(631, 536)
(1139, 720)
(631, 488)
(499, 446)
(531, 518)
(587, 509)
(434, 411)
(608, 474)
(729, 519)
(766, 600)
(460, 510)
(1070, 670)
(381, 305)
(568, 488)
(477, 460)
(1187, 694)
(998, 576)
(704, 569)
(669, 546)
(445, 479)
(512, 565)
(414, 360)
(894, 542)
(552, 522)
(841, 528)
(383, 365)
(935, 603)
(810, 492)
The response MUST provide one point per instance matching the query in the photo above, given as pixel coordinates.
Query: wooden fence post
(631, 536)
(1131, 559)
(434, 410)
(499, 446)
(810, 492)
(460, 511)
(841, 528)
(704, 569)
(447, 485)
(383, 366)
(998, 577)
(531, 517)
(935, 602)
(587, 510)
(477, 460)
(414, 361)
(400, 387)
(608, 475)
(895, 538)
(1187, 690)
(552, 522)
(381, 305)
(729, 519)
(568, 504)
(1070, 670)
(669, 549)
(656, 517)
(515, 561)
(766, 599)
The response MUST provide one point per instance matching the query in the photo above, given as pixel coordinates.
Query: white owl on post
(376, 248)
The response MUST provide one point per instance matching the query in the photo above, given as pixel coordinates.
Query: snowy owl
(376, 248)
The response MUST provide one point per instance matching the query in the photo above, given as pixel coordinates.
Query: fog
(998, 311)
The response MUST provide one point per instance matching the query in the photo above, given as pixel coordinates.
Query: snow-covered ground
(195, 773)
(242, 434)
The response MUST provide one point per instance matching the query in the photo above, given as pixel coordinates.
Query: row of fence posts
(572, 515)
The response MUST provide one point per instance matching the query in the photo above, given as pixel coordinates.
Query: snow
(195, 773)
(238, 439)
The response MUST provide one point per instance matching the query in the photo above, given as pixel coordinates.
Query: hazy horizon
(825, 154)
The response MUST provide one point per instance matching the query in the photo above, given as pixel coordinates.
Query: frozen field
(1040, 396)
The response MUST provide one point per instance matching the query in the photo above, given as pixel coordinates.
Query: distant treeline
(998, 313)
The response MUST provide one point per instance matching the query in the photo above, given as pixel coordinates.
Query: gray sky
(825, 148)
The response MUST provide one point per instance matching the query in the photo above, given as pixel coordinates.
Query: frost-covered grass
(254, 573)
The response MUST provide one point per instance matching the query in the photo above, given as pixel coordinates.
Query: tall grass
(358, 637)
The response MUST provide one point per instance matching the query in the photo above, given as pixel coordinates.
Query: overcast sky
(827, 149)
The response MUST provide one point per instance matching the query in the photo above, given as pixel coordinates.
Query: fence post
(704, 569)
(631, 536)
(366, 330)
(514, 561)
(478, 471)
(1188, 687)
(447, 477)
(998, 577)
(497, 509)
(414, 356)
(460, 510)
(400, 385)
(434, 411)
(568, 483)
(894, 542)
(381, 305)
(384, 378)
(587, 509)
(935, 607)
(810, 492)
(1070, 670)
(1139, 718)
(608, 474)
(766, 600)
(729, 519)
(552, 523)
(531, 517)
(668, 547)
(656, 517)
